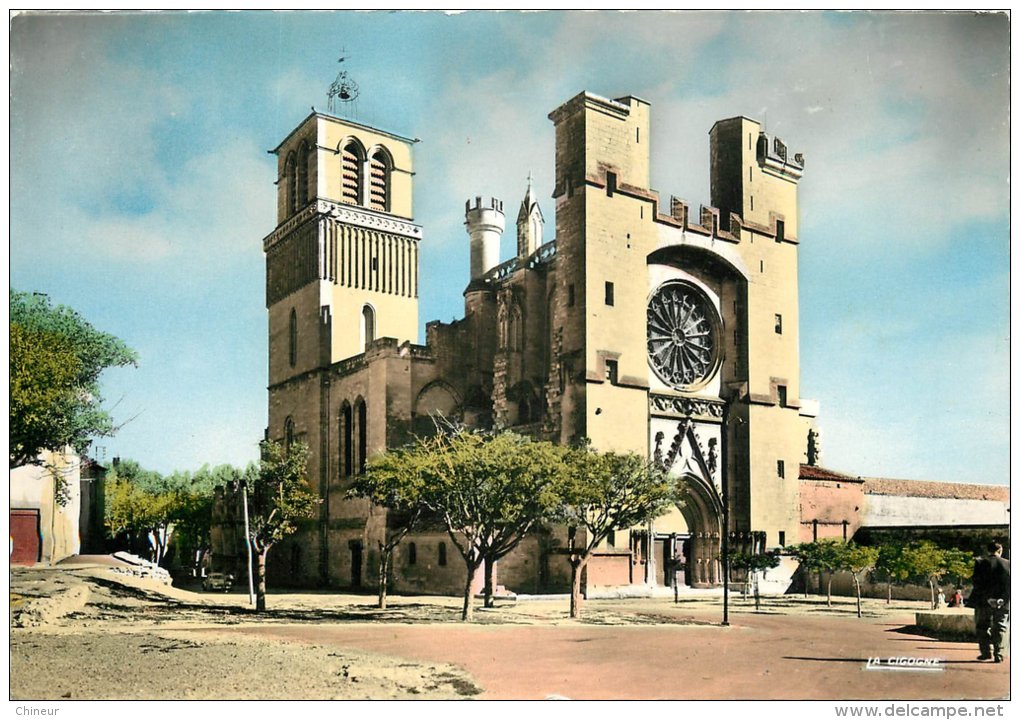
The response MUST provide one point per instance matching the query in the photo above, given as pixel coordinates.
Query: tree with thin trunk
(819, 555)
(891, 568)
(856, 560)
(394, 481)
(755, 564)
(603, 492)
(278, 498)
(490, 491)
(930, 563)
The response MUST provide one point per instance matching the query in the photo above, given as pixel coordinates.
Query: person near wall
(990, 600)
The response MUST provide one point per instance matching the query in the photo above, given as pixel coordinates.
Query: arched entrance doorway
(701, 550)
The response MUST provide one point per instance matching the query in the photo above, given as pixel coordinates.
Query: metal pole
(247, 543)
(723, 450)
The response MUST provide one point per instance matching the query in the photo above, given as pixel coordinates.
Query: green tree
(279, 498)
(891, 568)
(395, 481)
(928, 562)
(820, 556)
(606, 491)
(139, 506)
(755, 564)
(165, 511)
(490, 491)
(857, 560)
(56, 360)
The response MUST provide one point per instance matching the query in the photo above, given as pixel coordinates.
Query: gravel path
(87, 633)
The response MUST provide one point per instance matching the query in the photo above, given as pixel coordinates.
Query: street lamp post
(247, 543)
(724, 481)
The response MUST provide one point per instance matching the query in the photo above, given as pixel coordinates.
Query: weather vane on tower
(344, 90)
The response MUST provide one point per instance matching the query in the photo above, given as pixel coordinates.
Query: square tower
(342, 263)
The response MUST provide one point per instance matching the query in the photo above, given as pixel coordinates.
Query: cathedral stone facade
(641, 326)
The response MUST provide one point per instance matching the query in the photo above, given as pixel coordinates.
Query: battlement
(774, 157)
(477, 205)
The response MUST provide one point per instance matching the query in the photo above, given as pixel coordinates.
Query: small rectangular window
(782, 538)
(610, 183)
(779, 324)
(752, 202)
(442, 553)
(612, 371)
(611, 539)
(637, 134)
(780, 231)
(761, 266)
(570, 295)
(412, 554)
(609, 293)
(781, 393)
(780, 468)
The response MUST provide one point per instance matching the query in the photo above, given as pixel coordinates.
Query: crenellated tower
(485, 223)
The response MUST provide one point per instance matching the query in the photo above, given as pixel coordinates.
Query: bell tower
(342, 264)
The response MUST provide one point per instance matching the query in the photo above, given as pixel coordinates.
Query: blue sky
(141, 189)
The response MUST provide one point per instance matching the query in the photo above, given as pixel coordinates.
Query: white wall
(32, 488)
(898, 510)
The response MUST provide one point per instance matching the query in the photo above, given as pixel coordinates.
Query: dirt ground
(83, 632)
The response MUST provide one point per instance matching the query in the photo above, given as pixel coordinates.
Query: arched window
(380, 167)
(367, 326)
(503, 322)
(515, 331)
(292, 337)
(346, 441)
(412, 554)
(352, 160)
(301, 176)
(289, 198)
(288, 433)
(362, 436)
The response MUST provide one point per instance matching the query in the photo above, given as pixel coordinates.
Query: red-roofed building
(834, 504)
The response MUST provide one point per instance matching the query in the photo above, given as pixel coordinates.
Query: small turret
(485, 224)
(530, 224)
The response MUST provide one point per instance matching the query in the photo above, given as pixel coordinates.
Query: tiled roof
(816, 472)
(930, 489)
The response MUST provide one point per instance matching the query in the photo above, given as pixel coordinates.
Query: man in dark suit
(990, 600)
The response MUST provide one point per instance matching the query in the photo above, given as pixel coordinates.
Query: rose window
(682, 335)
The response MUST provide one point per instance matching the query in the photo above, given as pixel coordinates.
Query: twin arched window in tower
(364, 176)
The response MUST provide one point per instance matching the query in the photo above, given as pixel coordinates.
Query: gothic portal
(637, 325)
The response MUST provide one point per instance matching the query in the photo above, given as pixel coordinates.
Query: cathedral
(641, 326)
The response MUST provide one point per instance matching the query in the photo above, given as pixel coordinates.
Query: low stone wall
(948, 622)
